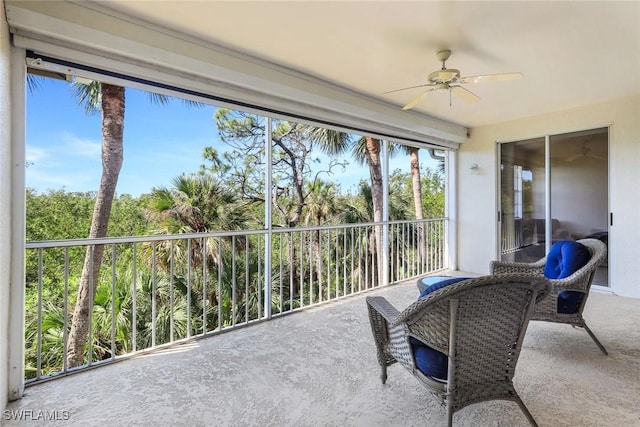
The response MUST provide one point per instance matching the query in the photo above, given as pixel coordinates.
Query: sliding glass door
(553, 188)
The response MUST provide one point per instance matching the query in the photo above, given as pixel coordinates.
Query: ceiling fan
(449, 79)
(583, 151)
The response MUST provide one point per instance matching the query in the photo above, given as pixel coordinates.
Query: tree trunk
(417, 202)
(112, 155)
(375, 171)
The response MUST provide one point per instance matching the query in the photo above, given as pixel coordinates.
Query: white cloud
(72, 181)
(63, 160)
(35, 154)
(82, 147)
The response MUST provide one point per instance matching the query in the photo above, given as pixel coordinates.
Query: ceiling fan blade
(406, 88)
(504, 77)
(416, 101)
(464, 94)
(574, 157)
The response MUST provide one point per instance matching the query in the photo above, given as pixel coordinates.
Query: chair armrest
(383, 307)
(381, 316)
(502, 267)
(546, 291)
(578, 281)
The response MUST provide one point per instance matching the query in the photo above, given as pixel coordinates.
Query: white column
(547, 193)
(18, 217)
(11, 291)
(5, 203)
(12, 85)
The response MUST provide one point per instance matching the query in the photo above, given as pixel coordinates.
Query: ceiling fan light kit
(449, 79)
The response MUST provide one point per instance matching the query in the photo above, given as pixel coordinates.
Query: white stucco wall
(477, 193)
(5, 205)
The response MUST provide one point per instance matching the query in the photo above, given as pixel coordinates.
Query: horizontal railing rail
(155, 291)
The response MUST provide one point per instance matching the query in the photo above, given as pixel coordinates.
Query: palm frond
(34, 82)
(359, 151)
(159, 99)
(332, 142)
(88, 94)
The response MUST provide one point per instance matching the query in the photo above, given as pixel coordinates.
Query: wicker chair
(478, 324)
(580, 282)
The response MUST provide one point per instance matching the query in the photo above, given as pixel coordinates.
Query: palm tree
(113, 309)
(321, 204)
(198, 204)
(358, 210)
(416, 186)
(51, 332)
(110, 99)
(367, 151)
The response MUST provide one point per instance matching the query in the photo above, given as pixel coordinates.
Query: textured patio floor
(318, 368)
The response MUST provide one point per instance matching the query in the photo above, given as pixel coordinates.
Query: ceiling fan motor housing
(446, 75)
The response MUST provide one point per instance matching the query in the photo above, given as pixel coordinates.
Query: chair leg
(593, 337)
(383, 375)
(449, 416)
(526, 412)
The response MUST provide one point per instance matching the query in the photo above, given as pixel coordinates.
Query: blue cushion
(429, 361)
(565, 258)
(569, 301)
(439, 285)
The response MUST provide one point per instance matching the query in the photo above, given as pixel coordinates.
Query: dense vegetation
(61, 215)
(158, 290)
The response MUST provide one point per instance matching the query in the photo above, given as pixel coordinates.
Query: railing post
(450, 212)
(267, 219)
(384, 256)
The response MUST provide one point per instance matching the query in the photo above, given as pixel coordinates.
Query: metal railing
(512, 239)
(155, 291)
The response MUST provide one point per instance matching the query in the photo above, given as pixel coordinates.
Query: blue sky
(160, 143)
(63, 142)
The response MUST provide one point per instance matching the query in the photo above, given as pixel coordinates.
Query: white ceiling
(571, 53)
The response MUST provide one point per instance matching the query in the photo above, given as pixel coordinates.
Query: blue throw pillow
(439, 285)
(565, 258)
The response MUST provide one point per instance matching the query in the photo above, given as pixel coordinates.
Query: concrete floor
(318, 368)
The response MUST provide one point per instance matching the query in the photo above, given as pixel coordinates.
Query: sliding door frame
(548, 189)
